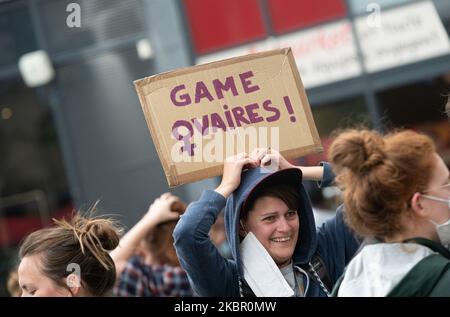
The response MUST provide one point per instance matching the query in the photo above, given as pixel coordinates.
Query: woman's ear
(417, 206)
(73, 281)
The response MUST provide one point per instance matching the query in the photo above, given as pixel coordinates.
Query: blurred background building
(80, 135)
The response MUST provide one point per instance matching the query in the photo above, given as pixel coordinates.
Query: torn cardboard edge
(203, 67)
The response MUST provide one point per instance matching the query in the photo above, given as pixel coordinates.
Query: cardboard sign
(198, 116)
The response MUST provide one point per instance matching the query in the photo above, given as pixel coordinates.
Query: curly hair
(379, 174)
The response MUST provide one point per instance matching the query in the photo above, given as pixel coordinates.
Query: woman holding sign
(270, 226)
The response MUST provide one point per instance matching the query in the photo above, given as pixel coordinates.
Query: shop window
(341, 115)
(223, 23)
(358, 7)
(415, 103)
(288, 15)
(32, 176)
(16, 35)
(336, 115)
(420, 106)
(33, 184)
(30, 151)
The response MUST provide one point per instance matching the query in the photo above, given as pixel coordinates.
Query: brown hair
(447, 108)
(160, 243)
(13, 283)
(160, 240)
(287, 194)
(379, 175)
(84, 241)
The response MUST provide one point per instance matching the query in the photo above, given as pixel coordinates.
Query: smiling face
(276, 226)
(34, 283)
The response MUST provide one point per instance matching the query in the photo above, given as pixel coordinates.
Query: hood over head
(252, 182)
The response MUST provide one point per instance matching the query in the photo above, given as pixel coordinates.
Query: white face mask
(443, 229)
(260, 271)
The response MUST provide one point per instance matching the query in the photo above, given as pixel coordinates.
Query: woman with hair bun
(396, 192)
(69, 259)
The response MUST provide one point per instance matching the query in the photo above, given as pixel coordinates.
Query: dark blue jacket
(212, 275)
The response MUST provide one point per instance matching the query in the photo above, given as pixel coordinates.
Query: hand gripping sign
(198, 116)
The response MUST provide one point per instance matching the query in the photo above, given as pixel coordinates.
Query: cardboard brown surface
(257, 100)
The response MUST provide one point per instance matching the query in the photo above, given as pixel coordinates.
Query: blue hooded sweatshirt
(212, 275)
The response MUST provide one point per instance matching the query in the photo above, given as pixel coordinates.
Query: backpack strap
(336, 287)
(244, 288)
(319, 273)
(422, 278)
